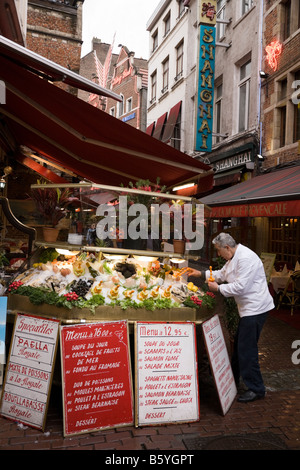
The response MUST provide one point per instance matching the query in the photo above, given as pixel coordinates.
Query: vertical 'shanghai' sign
(205, 89)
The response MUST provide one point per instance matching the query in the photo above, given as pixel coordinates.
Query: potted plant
(231, 317)
(231, 314)
(51, 204)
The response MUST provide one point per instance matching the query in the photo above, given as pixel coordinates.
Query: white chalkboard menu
(29, 372)
(96, 376)
(166, 373)
(219, 361)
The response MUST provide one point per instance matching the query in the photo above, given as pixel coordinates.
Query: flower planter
(50, 234)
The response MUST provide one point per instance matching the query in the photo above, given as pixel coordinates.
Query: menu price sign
(96, 376)
(29, 373)
(166, 373)
(219, 361)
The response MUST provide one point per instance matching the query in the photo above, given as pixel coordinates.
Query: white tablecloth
(279, 280)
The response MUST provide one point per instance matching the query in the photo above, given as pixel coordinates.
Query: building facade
(255, 92)
(124, 74)
(54, 30)
(281, 113)
(173, 78)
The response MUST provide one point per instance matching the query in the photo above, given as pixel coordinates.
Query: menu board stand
(166, 373)
(29, 372)
(96, 376)
(219, 362)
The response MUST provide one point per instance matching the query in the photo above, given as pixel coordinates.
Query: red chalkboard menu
(96, 376)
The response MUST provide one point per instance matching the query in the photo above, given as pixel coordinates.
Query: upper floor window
(128, 105)
(290, 14)
(154, 40)
(167, 24)
(179, 61)
(165, 77)
(244, 95)
(181, 8)
(218, 110)
(220, 27)
(121, 106)
(153, 86)
(246, 5)
(296, 133)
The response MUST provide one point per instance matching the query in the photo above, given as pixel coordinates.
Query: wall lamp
(7, 171)
(261, 158)
(263, 74)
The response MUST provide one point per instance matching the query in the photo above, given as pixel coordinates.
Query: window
(246, 5)
(282, 137)
(287, 19)
(153, 86)
(128, 105)
(244, 96)
(296, 133)
(165, 71)
(121, 106)
(154, 41)
(290, 14)
(167, 24)
(181, 8)
(179, 61)
(112, 111)
(218, 110)
(284, 238)
(220, 27)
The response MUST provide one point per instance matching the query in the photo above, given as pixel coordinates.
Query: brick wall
(288, 62)
(54, 31)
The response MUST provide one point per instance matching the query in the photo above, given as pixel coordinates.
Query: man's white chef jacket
(247, 282)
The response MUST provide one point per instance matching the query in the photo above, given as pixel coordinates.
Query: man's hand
(194, 272)
(213, 286)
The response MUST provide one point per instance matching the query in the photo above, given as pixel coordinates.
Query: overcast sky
(126, 18)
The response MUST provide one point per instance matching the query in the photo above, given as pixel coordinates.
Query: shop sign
(219, 361)
(166, 375)
(29, 372)
(208, 12)
(233, 161)
(205, 89)
(96, 376)
(268, 209)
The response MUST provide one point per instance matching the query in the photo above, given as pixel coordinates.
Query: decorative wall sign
(166, 373)
(29, 373)
(219, 361)
(208, 12)
(205, 89)
(96, 376)
(273, 51)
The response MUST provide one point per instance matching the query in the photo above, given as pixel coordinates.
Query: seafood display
(113, 281)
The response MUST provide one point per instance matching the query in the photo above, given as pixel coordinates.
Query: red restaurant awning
(159, 127)
(85, 140)
(273, 194)
(171, 122)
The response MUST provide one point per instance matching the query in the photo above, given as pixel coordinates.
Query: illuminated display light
(273, 51)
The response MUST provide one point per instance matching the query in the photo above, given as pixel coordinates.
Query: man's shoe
(249, 396)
